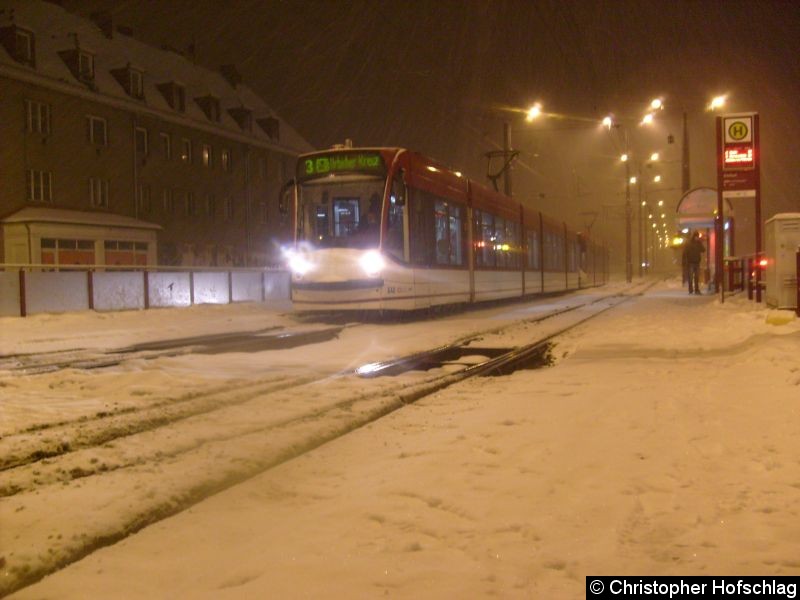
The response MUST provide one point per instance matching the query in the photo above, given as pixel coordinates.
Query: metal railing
(745, 273)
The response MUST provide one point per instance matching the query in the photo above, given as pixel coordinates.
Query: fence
(746, 272)
(31, 289)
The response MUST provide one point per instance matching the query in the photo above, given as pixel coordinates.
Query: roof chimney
(231, 74)
(104, 22)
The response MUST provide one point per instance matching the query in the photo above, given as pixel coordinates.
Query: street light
(647, 119)
(533, 112)
(654, 156)
(717, 102)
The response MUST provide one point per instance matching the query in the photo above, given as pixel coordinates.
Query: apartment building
(116, 152)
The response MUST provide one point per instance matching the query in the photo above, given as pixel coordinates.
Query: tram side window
(510, 247)
(485, 239)
(421, 228)
(534, 257)
(395, 235)
(449, 220)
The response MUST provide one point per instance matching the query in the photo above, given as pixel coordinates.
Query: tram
(390, 229)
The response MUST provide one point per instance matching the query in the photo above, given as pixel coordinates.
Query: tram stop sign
(739, 155)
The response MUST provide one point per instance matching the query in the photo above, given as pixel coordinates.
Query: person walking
(692, 254)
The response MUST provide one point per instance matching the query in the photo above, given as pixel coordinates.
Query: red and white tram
(389, 229)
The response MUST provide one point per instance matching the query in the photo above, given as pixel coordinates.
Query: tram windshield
(341, 212)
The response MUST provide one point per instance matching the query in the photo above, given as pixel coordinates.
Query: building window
(186, 151)
(208, 156)
(262, 211)
(97, 130)
(211, 206)
(166, 145)
(85, 66)
(23, 46)
(210, 106)
(143, 198)
(67, 252)
(168, 201)
(135, 83)
(141, 141)
(180, 98)
(225, 158)
(98, 193)
(40, 186)
(228, 209)
(191, 207)
(38, 117)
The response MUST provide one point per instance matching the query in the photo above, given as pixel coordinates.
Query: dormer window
(271, 126)
(20, 44)
(180, 98)
(175, 95)
(210, 106)
(85, 66)
(23, 42)
(135, 83)
(242, 116)
(131, 80)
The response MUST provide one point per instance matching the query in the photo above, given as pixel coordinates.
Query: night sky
(440, 77)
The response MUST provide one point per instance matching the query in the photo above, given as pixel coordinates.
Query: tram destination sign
(320, 165)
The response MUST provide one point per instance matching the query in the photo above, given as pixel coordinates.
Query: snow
(663, 441)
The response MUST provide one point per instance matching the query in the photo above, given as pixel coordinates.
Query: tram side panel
(553, 255)
(497, 242)
(437, 209)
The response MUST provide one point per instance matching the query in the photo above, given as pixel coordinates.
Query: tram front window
(342, 214)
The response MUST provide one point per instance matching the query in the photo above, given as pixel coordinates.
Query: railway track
(273, 338)
(138, 468)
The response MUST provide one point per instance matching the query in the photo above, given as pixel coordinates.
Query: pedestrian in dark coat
(692, 254)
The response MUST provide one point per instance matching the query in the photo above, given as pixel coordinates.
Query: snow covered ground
(662, 442)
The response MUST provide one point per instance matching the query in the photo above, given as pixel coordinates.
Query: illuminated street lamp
(533, 112)
(624, 158)
(657, 179)
(661, 203)
(654, 156)
(608, 122)
(647, 119)
(632, 179)
(717, 102)
(656, 104)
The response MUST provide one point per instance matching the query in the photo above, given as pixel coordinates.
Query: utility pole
(507, 158)
(628, 211)
(685, 180)
(640, 228)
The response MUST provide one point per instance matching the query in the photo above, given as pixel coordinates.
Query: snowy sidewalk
(662, 442)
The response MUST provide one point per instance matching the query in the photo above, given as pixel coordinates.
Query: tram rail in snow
(141, 468)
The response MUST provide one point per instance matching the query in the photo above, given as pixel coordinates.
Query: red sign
(738, 154)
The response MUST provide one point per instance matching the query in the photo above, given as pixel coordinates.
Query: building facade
(113, 150)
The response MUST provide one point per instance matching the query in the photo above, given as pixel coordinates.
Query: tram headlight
(372, 262)
(297, 262)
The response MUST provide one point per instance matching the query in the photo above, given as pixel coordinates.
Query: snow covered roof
(58, 32)
(35, 214)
